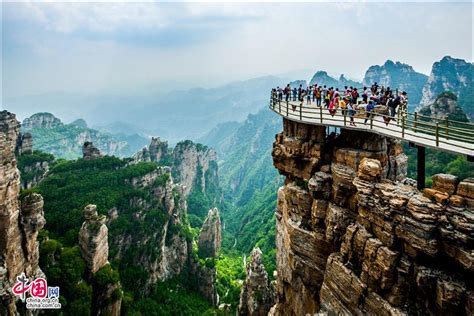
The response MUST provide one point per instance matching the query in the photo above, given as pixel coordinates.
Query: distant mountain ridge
(322, 78)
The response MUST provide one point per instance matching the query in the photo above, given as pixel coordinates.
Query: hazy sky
(91, 47)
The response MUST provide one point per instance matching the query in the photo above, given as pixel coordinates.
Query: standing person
(324, 93)
(370, 109)
(343, 106)
(300, 90)
(318, 96)
(294, 93)
(287, 93)
(301, 97)
(351, 109)
(365, 95)
(375, 88)
(280, 94)
(355, 96)
(333, 106)
(315, 89)
(308, 95)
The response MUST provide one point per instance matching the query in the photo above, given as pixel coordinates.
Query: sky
(93, 47)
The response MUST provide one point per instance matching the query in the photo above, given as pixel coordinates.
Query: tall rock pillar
(93, 241)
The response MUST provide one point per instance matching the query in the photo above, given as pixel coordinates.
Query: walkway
(447, 135)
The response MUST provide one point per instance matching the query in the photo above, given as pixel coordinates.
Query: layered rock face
(210, 237)
(195, 166)
(153, 152)
(397, 76)
(352, 238)
(93, 242)
(256, 296)
(90, 152)
(20, 222)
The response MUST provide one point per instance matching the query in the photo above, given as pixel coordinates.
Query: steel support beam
(420, 167)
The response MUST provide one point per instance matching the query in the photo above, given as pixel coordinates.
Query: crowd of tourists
(348, 100)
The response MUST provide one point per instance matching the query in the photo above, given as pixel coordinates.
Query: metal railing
(443, 134)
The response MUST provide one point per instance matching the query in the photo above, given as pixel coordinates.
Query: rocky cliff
(451, 74)
(20, 221)
(93, 242)
(155, 151)
(445, 107)
(256, 296)
(397, 76)
(160, 248)
(353, 238)
(194, 166)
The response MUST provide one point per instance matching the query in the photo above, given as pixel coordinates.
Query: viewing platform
(441, 134)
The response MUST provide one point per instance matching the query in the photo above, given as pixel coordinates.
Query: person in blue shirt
(370, 109)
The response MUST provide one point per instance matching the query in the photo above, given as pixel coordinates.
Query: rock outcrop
(195, 166)
(397, 76)
(445, 107)
(454, 75)
(155, 151)
(20, 221)
(209, 245)
(41, 120)
(256, 295)
(210, 237)
(352, 238)
(90, 152)
(93, 242)
(93, 239)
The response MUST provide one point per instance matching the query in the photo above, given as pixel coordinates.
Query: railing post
(321, 113)
(398, 117)
(344, 118)
(371, 120)
(287, 111)
(414, 123)
(279, 108)
(301, 112)
(403, 126)
(447, 128)
(437, 134)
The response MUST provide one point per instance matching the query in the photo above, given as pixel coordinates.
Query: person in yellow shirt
(343, 106)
